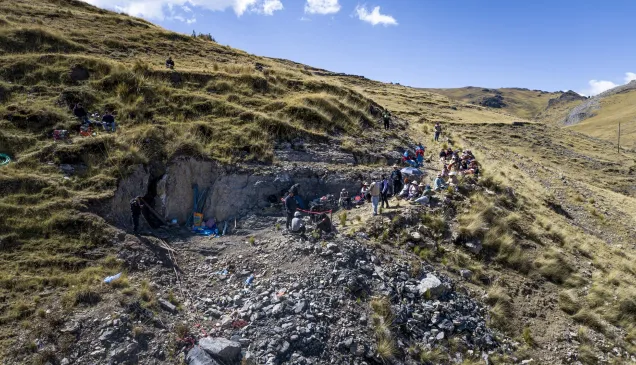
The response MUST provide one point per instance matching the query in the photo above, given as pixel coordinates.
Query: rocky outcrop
(566, 97)
(495, 101)
(233, 192)
(586, 109)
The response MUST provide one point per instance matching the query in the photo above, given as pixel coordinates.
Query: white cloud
(191, 21)
(270, 6)
(322, 7)
(375, 17)
(303, 19)
(162, 9)
(599, 86)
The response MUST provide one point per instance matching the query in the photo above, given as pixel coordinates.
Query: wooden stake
(619, 137)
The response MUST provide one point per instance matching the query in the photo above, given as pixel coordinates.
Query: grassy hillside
(216, 105)
(556, 113)
(555, 211)
(522, 103)
(618, 108)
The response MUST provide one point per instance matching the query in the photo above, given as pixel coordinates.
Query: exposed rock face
(233, 192)
(566, 97)
(136, 184)
(496, 101)
(587, 109)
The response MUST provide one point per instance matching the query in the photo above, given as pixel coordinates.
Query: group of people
(108, 119)
(295, 223)
(415, 192)
(455, 163)
(414, 160)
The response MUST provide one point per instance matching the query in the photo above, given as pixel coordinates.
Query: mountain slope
(523, 103)
(612, 110)
(553, 213)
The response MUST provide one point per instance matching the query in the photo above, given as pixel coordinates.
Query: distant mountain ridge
(520, 102)
(587, 109)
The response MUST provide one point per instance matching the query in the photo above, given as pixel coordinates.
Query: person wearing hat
(396, 178)
(297, 224)
(439, 183)
(365, 191)
(425, 197)
(290, 208)
(345, 201)
(375, 189)
(413, 190)
(452, 178)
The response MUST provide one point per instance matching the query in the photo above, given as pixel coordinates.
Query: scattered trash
(174, 221)
(206, 232)
(363, 235)
(221, 272)
(4, 159)
(249, 280)
(239, 323)
(61, 135)
(225, 228)
(110, 279)
(197, 219)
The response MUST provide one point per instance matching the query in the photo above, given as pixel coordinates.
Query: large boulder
(431, 287)
(196, 356)
(221, 348)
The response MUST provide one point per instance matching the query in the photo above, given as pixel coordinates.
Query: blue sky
(539, 44)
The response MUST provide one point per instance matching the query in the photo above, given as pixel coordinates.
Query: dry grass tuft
(569, 301)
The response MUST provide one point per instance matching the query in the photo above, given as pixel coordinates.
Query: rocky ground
(307, 302)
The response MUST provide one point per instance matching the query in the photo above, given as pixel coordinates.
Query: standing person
(387, 119)
(438, 131)
(135, 211)
(396, 177)
(108, 121)
(290, 208)
(375, 195)
(384, 193)
(419, 155)
(345, 200)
